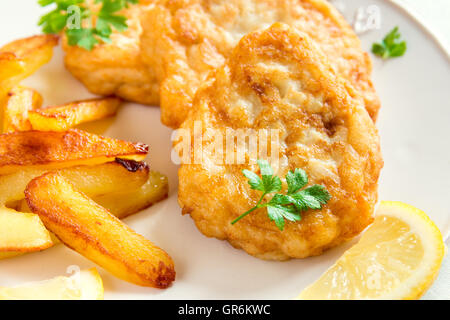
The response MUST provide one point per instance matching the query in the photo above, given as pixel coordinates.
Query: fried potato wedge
(127, 203)
(120, 203)
(10, 65)
(19, 232)
(20, 101)
(33, 52)
(107, 178)
(112, 177)
(21, 58)
(52, 150)
(83, 285)
(61, 118)
(92, 231)
(24, 232)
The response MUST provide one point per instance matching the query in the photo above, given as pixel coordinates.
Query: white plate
(413, 124)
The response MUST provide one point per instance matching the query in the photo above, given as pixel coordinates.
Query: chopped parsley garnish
(391, 46)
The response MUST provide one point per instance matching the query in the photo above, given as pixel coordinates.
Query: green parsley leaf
(288, 206)
(52, 22)
(254, 180)
(318, 192)
(271, 183)
(86, 35)
(288, 212)
(296, 180)
(276, 214)
(280, 199)
(264, 166)
(83, 38)
(117, 22)
(44, 3)
(390, 46)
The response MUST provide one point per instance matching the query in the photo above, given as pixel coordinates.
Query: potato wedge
(120, 203)
(20, 101)
(92, 231)
(85, 285)
(112, 177)
(24, 232)
(33, 52)
(134, 200)
(52, 150)
(61, 118)
(10, 65)
(21, 58)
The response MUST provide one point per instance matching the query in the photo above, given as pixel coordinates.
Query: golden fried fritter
(278, 79)
(185, 39)
(116, 68)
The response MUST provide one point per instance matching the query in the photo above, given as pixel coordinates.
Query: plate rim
(419, 20)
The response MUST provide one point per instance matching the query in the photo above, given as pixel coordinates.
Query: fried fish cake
(278, 79)
(185, 39)
(116, 68)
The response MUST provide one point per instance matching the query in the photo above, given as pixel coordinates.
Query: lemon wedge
(85, 285)
(397, 257)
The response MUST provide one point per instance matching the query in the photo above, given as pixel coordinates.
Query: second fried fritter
(185, 39)
(116, 68)
(278, 79)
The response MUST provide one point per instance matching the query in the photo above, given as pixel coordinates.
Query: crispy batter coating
(116, 68)
(185, 39)
(277, 78)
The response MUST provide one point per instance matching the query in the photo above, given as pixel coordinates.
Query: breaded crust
(185, 39)
(278, 79)
(116, 68)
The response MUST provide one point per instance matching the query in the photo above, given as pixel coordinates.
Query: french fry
(33, 52)
(19, 102)
(21, 58)
(61, 118)
(124, 204)
(10, 66)
(97, 180)
(92, 231)
(127, 203)
(23, 232)
(53, 150)
(19, 232)
(107, 178)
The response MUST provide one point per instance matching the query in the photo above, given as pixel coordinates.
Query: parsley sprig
(287, 206)
(391, 46)
(86, 35)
